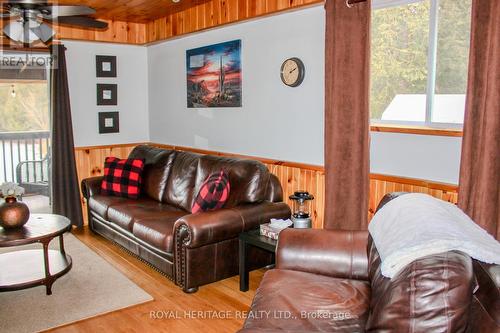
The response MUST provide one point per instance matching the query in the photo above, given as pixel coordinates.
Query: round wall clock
(292, 72)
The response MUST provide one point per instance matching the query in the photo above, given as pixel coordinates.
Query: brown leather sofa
(190, 249)
(330, 281)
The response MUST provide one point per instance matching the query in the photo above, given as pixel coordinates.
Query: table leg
(61, 244)
(243, 265)
(48, 278)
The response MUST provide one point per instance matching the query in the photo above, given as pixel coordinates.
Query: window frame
(431, 73)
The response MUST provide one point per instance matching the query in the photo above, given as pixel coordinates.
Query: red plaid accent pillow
(213, 193)
(122, 178)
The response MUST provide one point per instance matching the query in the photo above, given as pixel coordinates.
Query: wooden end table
(31, 268)
(252, 238)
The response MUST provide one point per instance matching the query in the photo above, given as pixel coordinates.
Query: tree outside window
(420, 52)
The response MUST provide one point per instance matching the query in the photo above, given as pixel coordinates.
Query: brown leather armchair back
(447, 292)
(436, 289)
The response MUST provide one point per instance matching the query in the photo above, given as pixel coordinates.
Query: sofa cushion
(157, 165)
(100, 204)
(213, 193)
(122, 177)
(432, 294)
(306, 302)
(127, 213)
(157, 231)
(179, 191)
(249, 179)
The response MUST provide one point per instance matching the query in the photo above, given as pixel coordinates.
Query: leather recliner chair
(330, 281)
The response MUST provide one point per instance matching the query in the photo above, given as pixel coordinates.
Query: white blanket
(416, 225)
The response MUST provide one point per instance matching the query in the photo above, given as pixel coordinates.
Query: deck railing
(17, 147)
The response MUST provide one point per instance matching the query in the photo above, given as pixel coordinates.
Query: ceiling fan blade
(52, 12)
(44, 32)
(81, 21)
(19, 32)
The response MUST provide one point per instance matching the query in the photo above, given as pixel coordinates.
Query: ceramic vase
(13, 214)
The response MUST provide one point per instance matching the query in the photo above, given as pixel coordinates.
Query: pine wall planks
(201, 17)
(215, 13)
(293, 176)
(118, 32)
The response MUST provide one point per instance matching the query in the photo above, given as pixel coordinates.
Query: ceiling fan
(28, 19)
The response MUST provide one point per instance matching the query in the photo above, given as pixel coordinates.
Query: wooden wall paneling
(292, 176)
(215, 13)
(191, 20)
(232, 9)
(293, 179)
(381, 184)
(259, 8)
(242, 9)
(198, 17)
(118, 32)
(204, 15)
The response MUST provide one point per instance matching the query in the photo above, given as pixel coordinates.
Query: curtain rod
(351, 3)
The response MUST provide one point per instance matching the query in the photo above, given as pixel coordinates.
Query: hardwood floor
(216, 300)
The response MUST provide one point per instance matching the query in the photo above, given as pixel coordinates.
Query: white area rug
(92, 287)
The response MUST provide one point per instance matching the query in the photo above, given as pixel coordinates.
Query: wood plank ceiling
(137, 11)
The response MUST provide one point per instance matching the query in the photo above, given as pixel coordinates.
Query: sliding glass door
(25, 129)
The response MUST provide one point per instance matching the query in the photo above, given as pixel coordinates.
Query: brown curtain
(65, 190)
(347, 114)
(479, 187)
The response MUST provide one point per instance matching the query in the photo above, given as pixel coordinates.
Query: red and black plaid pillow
(122, 178)
(213, 193)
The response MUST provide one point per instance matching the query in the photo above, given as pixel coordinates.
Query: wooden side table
(252, 238)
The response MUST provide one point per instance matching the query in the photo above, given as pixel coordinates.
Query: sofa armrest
(335, 253)
(200, 229)
(91, 186)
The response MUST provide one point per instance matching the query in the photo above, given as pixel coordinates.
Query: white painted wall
(276, 121)
(132, 80)
(416, 156)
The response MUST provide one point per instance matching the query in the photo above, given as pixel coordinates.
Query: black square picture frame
(105, 66)
(109, 122)
(107, 94)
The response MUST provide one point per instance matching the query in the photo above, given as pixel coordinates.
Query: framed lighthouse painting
(214, 76)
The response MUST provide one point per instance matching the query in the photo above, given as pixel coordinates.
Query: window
(24, 105)
(420, 53)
